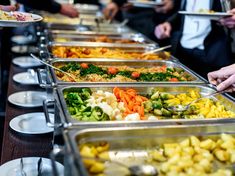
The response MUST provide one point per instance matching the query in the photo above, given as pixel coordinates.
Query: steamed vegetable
(90, 72)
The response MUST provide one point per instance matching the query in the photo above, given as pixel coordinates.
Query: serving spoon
(49, 65)
(135, 170)
(156, 50)
(182, 108)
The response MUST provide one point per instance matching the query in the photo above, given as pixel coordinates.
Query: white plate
(23, 49)
(86, 7)
(26, 78)
(28, 99)
(211, 16)
(145, 4)
(26, 62)
(15, 23)
(21, 39)
(12, 168)
(31, 123)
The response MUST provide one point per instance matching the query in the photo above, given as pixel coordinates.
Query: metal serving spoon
(135, 170)
(156, 50)
(181, 108)
(49, 65)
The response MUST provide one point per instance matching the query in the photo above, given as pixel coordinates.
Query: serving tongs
(49, 65)
(39, 167)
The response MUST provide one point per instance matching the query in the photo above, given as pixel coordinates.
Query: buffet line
(114, 103)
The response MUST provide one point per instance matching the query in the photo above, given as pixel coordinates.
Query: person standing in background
(200, 44)
(142, 20)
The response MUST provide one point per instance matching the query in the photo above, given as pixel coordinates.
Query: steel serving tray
(138, 48)
(224, 99)
(135, 64)
(90, 33)
(130, 145)
(54, 37)
(87, 27)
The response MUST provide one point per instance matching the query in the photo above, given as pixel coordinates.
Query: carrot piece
(144, 98)
(128, 99)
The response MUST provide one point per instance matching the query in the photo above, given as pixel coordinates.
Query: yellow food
(82, 52)
(192, 156)
(100, 151)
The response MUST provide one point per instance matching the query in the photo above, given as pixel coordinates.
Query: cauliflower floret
(152, 118)
(132, 117)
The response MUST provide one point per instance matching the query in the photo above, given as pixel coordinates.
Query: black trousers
(204, 61)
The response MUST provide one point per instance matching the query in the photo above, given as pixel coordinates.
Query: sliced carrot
(132, 101)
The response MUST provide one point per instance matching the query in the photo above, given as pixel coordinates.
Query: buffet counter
(16, 145)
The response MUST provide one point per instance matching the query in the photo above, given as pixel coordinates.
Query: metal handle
(47, 116)
(54, 153)
(70, 160)
(42, 83)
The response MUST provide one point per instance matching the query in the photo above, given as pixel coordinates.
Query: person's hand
(163, 30)
(110, 10)
(69, 10)
(229, 21)
(8, 8)
(167, 6)
(223, 78)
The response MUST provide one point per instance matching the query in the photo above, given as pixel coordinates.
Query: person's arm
(223, 78)
(164, 30)
(47, 5)
(229, 21)
(112, 8)
(51, 6)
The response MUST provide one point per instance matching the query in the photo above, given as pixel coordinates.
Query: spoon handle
(157, 50)
(49, 65)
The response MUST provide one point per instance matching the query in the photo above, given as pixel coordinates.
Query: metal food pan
(142, 89)
(49, 18)
(130, 145)
(134, 64)
(83, 27)
(138, 38)
(138, 48)
(89, 33)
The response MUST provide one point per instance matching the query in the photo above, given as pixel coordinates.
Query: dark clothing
(144, 20)
(96, 2)
(47, 5)
(120, 2)
(217, 52)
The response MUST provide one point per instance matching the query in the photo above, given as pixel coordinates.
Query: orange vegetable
(133, 103)
(135, 75)
(174, 80)
(112, 70)
(84, 65)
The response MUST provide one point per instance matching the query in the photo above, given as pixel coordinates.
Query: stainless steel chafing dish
(65, 117)
(135, 38)
(138, 48)
(196, 79)
(58, 18)
(89, 33)
(91, 27)
(130, 145)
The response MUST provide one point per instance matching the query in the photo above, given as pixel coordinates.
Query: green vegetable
(157, 104)
(148, 106)
(157, 112)
(165, 112)
(77, 106)
(155, 95)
